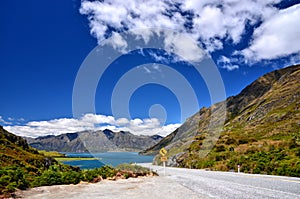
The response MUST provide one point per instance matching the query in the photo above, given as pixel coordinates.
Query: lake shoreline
(107, 158)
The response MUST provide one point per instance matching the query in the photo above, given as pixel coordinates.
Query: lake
(107, 158)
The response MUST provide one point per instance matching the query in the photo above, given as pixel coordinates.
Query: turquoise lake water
(107, 158)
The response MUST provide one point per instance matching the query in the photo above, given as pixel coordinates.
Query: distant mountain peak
(94, 141)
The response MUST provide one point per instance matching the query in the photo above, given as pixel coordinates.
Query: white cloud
(212, 22)
(119, 13)
(3, 121)
(136, 16)
(118, 42)
(11, 119)
(227, 63)
(184, 46)
(97, 119)
(159, 58)
(277, 37)
(122, 121)
(136, 126)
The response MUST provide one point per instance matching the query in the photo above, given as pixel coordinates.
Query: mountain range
(94, 141)
(261, 131)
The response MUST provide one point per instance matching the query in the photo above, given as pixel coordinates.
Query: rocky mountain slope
(261, 131)
(94, 141)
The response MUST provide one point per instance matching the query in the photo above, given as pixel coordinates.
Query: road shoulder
(145, 187)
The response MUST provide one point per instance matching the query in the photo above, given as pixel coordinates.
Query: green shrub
(89, 175)
(48, 178)
(126, 175)
(72, 177)
(256, 170)
(12, 178)
(11, 187)
(56, 175)
(107, 171)
(104, 172)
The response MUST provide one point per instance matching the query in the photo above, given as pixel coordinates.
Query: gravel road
(232, 185)
(176, 184)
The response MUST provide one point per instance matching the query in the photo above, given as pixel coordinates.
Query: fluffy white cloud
(119, 15)
(136, 126)
(227, 63)
(184, 46)
(118, 42)
(211, 22)
(277, 37)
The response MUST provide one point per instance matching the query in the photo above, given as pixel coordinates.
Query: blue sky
(44, 43)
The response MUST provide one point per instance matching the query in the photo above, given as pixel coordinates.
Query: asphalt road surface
(212, 184)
